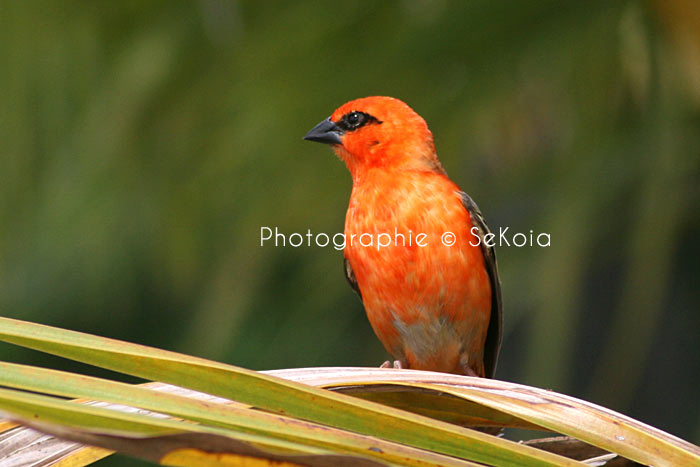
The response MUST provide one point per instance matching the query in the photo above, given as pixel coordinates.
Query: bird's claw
(397, 365)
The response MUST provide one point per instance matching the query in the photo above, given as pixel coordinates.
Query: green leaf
(233, 416)
(276, 395)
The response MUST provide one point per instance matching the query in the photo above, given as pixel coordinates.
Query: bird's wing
(350, 276)
(495, 331)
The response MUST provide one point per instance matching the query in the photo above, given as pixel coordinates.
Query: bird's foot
(397, 364)
(468, 371)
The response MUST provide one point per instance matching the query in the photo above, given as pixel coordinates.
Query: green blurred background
(144, 144)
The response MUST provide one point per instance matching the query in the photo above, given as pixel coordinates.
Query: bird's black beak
(325, 132)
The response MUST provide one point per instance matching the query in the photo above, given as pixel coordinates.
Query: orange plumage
(433, 306)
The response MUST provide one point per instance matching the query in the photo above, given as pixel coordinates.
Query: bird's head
(378, 132)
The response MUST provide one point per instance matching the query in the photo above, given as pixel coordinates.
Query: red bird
(433, 305)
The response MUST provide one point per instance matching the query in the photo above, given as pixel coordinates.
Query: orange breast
(429, 303)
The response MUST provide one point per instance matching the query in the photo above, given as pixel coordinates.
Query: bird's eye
(354, 120)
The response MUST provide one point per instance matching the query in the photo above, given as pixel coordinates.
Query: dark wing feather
(350, 276)
(494, 334)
